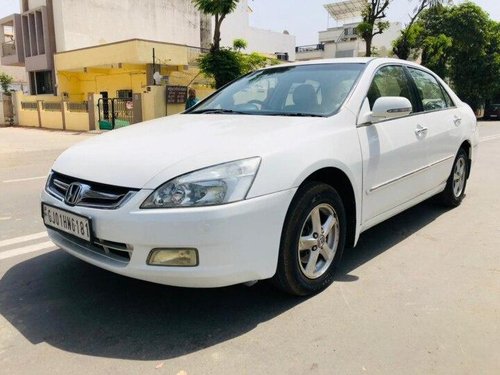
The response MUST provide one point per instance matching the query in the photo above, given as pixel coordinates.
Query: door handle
(421, 130)
(457, 120)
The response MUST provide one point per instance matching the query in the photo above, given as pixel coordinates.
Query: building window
(41, 83)
(124, 94)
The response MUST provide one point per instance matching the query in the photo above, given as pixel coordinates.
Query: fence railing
(78, 107)
(29, 106)
(51, 106)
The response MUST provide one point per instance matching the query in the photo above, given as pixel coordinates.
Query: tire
(308, 258)
(454, 192)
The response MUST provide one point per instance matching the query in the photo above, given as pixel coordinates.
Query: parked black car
(492, 111)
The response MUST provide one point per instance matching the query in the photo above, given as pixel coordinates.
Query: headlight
(223, 183)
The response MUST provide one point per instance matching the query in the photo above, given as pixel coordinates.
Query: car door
(393, 150)
(442, 122)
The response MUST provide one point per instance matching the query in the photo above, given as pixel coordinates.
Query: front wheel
(312, 240)
(454, 192)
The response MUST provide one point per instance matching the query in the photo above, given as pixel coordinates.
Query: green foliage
(5, 81)
(239, 44)
(222, 65)
(435, 53)
(214, 7)
(460, 43)
(227, 64)
(404, 46)
(474, 54)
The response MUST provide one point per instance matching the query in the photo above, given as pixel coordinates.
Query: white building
(265, 41)
(172, 21)
(342, 40)
(48, 27)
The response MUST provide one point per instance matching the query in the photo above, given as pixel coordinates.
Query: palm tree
(219, 9)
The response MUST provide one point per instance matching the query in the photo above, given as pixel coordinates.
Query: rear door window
(431, 93)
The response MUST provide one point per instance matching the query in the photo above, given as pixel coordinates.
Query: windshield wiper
(219, 111)
(293, 114)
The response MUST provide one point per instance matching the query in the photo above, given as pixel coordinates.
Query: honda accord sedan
(271, 177)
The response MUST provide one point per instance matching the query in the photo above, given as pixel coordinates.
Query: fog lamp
(173, 257)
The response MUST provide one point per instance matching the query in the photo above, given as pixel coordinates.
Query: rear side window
(390, 81)
(431, 93)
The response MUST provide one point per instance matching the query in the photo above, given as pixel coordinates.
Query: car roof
(350, 60)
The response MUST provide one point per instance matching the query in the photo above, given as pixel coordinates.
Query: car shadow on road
(57, 299)
(384, 236)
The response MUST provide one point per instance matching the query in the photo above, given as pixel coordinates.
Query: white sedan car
(271, 177)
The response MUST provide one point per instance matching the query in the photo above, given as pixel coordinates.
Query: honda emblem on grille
(73, 194)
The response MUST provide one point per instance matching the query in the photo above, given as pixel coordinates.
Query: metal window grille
(30, 106)
(53, 107)
(78, 107)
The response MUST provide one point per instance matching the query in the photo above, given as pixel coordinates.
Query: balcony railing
(310, 48)
(8, 48)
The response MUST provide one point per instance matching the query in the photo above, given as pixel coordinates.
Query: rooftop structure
(345, 10)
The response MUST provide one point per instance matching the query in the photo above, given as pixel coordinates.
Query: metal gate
(115, 112)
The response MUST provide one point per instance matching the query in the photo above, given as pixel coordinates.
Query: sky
(303, 18)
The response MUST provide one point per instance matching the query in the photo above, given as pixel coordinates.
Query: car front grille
(87, 193)
(115, 253)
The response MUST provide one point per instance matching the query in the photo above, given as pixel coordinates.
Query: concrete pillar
(92, 100)
(149, 75)
(137, 101)
(39, 109)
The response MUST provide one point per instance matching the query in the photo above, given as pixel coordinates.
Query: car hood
(148, 154)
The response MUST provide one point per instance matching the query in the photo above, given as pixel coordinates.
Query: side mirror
(389, 107)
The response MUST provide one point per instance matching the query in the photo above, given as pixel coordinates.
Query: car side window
(390, 81)
(430, 91)
(447, 98)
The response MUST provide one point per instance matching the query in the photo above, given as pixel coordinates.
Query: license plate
(68, 222)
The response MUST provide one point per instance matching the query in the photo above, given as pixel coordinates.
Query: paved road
(419, 295)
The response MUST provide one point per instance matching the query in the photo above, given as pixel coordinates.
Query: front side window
(390, 81)
(430, 91)
(301, 90)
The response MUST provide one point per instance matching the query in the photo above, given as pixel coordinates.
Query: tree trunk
(218, 22)
(368, 50)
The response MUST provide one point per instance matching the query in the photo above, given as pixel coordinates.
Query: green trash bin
(105, 125)
(121, 123)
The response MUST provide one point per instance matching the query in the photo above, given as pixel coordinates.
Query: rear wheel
(312, 240)
(454, 192)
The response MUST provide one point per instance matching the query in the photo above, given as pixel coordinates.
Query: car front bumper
(236, 242)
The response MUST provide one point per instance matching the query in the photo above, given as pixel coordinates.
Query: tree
(461, 44)
(219, 9)
(475, 53)
(5, 81)
(373, 24)
(227, 64)
(402, 47)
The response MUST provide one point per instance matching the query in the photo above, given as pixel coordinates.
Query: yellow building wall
(51, 119)
(128, 52)
(123, 66)
(25, 117)
(78, 84)
(154, 103)
(173, 109)
(77, 121)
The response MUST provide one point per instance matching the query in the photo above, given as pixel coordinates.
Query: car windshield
(301, 90)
